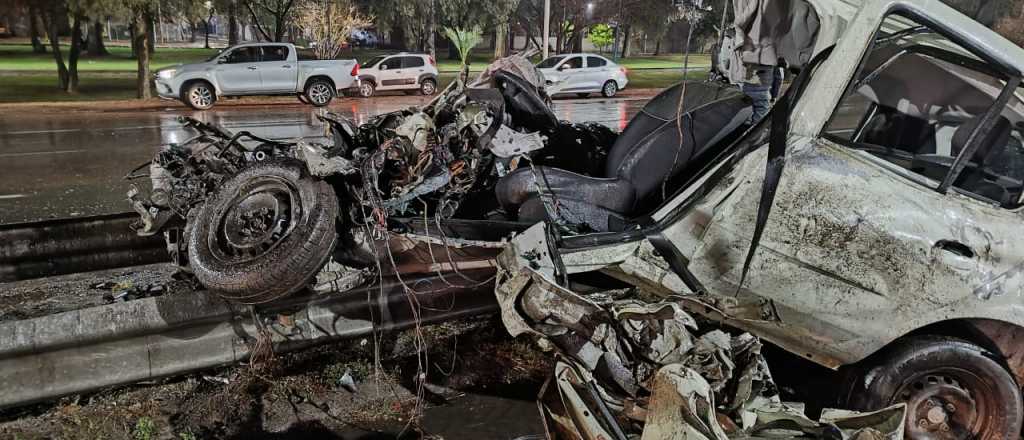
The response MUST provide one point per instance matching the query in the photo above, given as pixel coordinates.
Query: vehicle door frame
(228, 74)
(574, 79)
(390, 78)
(278, 76)
(597, 75)
(413, 72)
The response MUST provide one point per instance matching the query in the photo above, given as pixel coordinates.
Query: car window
(274, 53)
(372, 62)
(411, 62)
(916, 102)
(246, 54)
(392, 63)
(306, 55)
(596, 62)
(549, 62)
(572, 63)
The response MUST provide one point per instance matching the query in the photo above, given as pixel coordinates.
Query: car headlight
(167, 73)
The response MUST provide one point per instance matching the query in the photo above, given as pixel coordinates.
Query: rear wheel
(319, 92)
(264, 234)
(428, 87)
(199, 95)
(609, 89)
(366, 89)
(954, 390)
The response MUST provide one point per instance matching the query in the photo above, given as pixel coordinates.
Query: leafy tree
(601, 35)
(464, 40)
(330, 23)
(278, 11)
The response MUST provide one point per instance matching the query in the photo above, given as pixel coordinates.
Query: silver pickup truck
(257, 69)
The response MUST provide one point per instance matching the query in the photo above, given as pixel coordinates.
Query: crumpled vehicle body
(628, 368)
(257, 218)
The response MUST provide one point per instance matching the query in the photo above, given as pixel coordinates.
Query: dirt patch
(44, 296)
(335, 391)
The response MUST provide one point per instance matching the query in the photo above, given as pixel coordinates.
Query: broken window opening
(917, 102)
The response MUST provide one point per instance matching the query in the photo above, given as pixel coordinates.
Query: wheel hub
(939, 408)
(258, 218)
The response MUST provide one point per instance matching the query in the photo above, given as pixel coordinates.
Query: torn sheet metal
(320, 164)
(631, 367)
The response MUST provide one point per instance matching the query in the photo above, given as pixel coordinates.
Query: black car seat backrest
(524, 103)
(650, 150)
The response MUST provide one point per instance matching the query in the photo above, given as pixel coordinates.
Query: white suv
(402, 71)
(582, 74)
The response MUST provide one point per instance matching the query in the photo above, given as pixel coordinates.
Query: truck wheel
(953, 390)
(428, 87)
(199, 95)
(265, 233)
(319, 92)
(609, 89)
(366, 89)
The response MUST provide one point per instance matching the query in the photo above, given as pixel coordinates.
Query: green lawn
(26, 76)
(21, 58)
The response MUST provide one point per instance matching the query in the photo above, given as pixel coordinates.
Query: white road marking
(39, 153)
(12, 196)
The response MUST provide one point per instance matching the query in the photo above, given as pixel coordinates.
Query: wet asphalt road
(56, 165)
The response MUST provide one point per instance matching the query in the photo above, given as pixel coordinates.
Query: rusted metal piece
(57, 247)
(88, 349)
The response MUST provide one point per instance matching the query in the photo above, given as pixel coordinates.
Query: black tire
(366, 89)
(609, 89)
(265, 233)
(582, 95)
(953, 390)
(319, 92)
(199, 95)
(428, 87)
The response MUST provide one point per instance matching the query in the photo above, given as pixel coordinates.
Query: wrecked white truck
(868, 222)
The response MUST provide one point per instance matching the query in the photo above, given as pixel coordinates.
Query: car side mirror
(222, 60)
(383, 67)
(563, 67)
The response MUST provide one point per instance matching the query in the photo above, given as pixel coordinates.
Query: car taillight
(432, 62)
(355, 70)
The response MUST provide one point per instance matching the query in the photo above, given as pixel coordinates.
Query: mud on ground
(479, 381)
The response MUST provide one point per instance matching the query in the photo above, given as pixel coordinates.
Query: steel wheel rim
(260, 215)
(610, 89)
(365, 90)
(319, 93)
(428, 88)
(941, 406)
(201, 96)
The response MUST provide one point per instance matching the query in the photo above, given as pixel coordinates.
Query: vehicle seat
(648, 152)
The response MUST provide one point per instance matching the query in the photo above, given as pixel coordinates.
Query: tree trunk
(74, 53)
(657, 47)
(432, 33)
(206, 43)
(232, 24)
(150, 33)
(131, 38)
(140, 41)
(95, 45)
(625, 40)
(192, 28)
(50, 23)
(501, 40)
(33, 29)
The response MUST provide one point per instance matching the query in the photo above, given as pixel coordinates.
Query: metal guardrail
(84, 350)
(72, 245)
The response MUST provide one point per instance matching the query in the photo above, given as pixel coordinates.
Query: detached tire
(953, 390)
(264, 234)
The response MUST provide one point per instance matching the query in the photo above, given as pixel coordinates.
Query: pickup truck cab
(257, 69)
